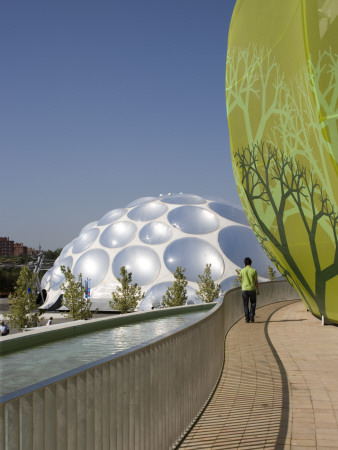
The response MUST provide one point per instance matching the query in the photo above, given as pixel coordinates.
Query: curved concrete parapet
(143, 399)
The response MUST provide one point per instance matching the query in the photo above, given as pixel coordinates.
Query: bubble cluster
(151, 237)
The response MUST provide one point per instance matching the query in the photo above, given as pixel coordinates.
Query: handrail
(144, 399)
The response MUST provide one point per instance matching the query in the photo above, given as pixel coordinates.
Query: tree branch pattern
(284, 138)
(274, 184)
(299, 116)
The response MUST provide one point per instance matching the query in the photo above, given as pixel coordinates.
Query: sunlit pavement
(279, 387)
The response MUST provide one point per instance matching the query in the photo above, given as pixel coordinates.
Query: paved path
(279, 387)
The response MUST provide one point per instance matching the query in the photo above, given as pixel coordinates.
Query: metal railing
(145, 398)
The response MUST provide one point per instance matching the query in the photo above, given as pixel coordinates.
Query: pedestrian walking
(250, 288)
(4, 330)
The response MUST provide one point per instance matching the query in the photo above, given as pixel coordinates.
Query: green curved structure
(282, 101)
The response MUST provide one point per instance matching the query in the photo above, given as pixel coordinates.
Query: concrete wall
(143, 399)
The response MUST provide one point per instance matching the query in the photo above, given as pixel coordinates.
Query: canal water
(26, 367)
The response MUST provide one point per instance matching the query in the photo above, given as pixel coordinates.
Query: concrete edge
(33, 337)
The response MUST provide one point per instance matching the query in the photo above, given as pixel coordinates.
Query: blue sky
(105, 102)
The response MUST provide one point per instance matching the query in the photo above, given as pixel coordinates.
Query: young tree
(126, 296)
(22, 303)
(74, 296)
(237, 281)
(272, 273)
(176, 295)
(208, 291)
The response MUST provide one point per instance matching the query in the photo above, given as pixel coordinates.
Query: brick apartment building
(6, 247)
(11, 248)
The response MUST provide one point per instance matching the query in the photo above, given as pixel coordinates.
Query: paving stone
(278, 388)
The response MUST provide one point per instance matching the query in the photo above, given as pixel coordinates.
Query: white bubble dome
(151, 236)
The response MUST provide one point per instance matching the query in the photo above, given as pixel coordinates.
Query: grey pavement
(279, 387)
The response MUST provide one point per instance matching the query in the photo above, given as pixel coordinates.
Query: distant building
(9, 248)
(19, 249)
(6, 246)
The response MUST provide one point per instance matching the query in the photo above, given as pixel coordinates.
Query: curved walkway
(279, 387)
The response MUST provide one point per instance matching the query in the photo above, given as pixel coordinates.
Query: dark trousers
(246, 296)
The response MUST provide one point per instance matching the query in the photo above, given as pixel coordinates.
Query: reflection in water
(30, 366)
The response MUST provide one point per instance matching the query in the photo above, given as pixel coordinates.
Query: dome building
(151, 237)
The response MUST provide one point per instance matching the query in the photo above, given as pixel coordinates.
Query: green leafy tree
(208, 290)
(126, 296)
(22, 303)
(176, 295)
(272, 273)
(237, 281)
(8, 278)
(74, 296)
(52, 254)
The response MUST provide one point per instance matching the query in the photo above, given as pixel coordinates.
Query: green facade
(282, 101)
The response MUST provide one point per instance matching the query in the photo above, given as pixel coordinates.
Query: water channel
(32, 365)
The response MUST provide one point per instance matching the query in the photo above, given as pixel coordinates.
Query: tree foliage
(52, 254)
(22, 303)
(272, 273)
(208, 291)
(8, 278)
(74, 296)
(126, 296)
(176, 295)
(237, 280)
